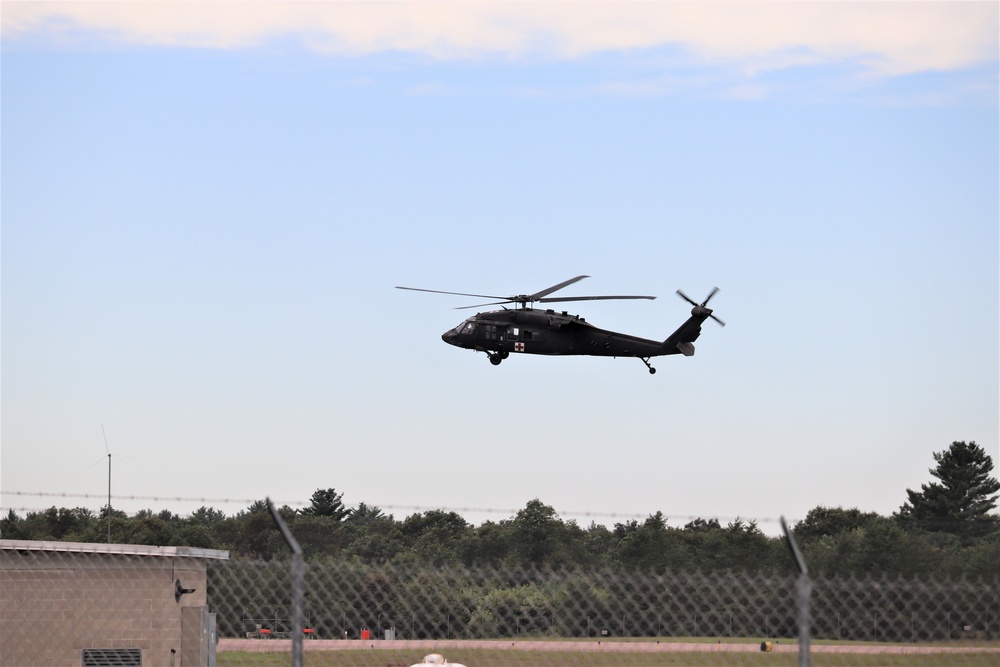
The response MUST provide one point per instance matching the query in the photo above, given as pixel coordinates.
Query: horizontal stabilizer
(687, 349)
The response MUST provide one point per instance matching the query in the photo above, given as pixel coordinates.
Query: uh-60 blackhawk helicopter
(526, 330)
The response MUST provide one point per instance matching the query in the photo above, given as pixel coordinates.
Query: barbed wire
(585, 514)
(94, 496)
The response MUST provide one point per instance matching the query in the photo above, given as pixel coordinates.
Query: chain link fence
(343, 600)
(95, 605)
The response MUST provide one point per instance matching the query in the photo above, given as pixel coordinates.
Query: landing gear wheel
(503, 354)
(652, 371)
(645, 360)
(495, 359)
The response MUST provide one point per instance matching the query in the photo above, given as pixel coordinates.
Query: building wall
(54, 604)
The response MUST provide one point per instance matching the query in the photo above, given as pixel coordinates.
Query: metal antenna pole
(109, 480)
(109, 498)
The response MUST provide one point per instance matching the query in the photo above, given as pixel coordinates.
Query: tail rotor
(702, 308)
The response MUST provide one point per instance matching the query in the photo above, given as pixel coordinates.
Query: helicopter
(526, 330)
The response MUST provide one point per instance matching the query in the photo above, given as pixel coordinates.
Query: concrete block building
(92, 605)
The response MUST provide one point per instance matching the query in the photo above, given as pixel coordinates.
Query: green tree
(371, 535)
(511, 612)
(54, 523)
(961, 501)
(318, 535)
(983, 558)
(193, 534)
(366, 515)
(699, 525)
(436, 537)
(598, 543)
(830, 522)
(151, 530)
(490, 545)
(538, 537)
(740, 546)
(327, 502)
(884, 547)
(12, 527)
(649, 545)
(256, 535)
(207, 516)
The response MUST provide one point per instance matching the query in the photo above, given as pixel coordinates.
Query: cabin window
(512, 333)
(528, 335)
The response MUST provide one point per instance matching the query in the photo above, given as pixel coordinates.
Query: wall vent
(111, 657)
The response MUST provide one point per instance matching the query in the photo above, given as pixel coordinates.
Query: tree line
(341, 599)
(946, 527)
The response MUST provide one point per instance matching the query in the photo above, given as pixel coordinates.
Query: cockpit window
(466, 327)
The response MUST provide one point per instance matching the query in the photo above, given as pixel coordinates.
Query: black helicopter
(526, 330)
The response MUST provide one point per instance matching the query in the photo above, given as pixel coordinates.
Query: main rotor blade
(435, 291)
(526, 299)
(537, 296)
(480, 305)
(590, 298)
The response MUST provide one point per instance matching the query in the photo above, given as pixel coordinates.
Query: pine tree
(327, 502)
(960, 503)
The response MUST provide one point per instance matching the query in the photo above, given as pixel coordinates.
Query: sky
(206, 208)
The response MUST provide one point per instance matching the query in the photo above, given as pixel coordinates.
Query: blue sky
(205, 209)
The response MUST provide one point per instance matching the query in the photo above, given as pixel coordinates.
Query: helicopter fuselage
(500, 333)
(525, 330)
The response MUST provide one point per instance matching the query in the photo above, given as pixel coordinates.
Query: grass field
(982, 655)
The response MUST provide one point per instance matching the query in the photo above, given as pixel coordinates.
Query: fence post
(804, 587)
(298, 571)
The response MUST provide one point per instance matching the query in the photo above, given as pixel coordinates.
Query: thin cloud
(429, 90)
(885, 38)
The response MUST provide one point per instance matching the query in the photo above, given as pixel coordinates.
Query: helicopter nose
(449, 337)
